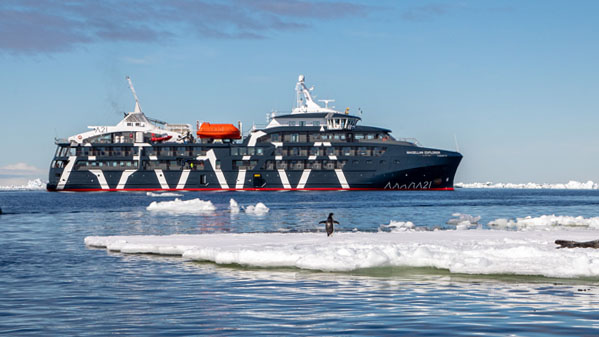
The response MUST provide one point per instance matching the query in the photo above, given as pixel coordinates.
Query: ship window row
(84, 165)
(331, 151)
(247, 151)
(304, 137)
(173, 165)
(173, 151)
(304, 164)
(304, 123)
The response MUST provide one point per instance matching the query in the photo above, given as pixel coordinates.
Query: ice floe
(464, 221)
(398, 226)
(571, 185)
(471, 251)
(258, 209)
(163, 194)
(546, 222)
(32, 185)
(178, 206)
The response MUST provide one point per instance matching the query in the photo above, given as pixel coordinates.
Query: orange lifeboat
(218, 131)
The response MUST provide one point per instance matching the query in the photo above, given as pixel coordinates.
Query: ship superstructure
(312, 147)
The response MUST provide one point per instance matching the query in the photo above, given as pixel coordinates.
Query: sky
(513, 85)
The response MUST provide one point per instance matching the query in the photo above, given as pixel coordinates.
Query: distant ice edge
(467, 252)
(571, 185)
(32, 185)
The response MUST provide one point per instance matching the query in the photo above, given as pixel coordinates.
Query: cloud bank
(51, 26)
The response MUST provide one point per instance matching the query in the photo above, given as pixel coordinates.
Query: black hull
(420, 173)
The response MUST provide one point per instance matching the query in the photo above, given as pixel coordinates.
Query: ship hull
(397, 170)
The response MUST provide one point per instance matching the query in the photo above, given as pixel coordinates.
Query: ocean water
(52, 284)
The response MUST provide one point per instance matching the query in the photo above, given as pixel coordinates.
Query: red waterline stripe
(244, 189)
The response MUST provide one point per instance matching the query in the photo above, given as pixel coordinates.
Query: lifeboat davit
(218, 131)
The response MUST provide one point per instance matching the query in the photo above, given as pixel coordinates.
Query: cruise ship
(314, 147)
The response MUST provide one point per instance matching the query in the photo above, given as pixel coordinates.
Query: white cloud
(19, 168)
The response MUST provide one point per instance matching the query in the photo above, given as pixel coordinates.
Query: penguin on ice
(329, 224)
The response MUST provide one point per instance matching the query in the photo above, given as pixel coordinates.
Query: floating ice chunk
(163, 194)
(32, 185)
(546, 222)
(471, 252)
(193, 206)
(233, 206)
(259, 209)
(463, 221)
(398, 226)
(571, 185)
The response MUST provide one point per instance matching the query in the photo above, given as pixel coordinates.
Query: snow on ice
(466, 251)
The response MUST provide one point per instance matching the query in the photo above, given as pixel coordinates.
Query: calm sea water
(51, 284)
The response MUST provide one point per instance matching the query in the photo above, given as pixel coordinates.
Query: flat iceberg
(466, 251)
(163, 194)
(571, 185)
(178, 206)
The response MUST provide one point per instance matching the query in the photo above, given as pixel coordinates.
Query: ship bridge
(309, 113)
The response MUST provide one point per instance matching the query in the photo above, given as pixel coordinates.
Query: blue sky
(516, 82)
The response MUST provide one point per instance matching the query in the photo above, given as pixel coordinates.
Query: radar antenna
(326, 102)
(137, 106)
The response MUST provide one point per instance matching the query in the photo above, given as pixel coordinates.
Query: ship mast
(137, 106)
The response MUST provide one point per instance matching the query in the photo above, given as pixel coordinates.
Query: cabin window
(63, 151)
(358, 136)
(314, 151)
(259, 151)
(251, 151)
(302, 123)
(316, 123)
(379, 151)
(291, 123)
(269, 165)
(328, 164)
(275, 137)
(297, 165)
(341, 164)
(294, 151)
(348, 151)
(199, 151)
(235, 151)
(314, 164)
(382, 162)
(203, 179)
(281, 165)
(364, 151)
(370, 136)
(218, 164)
(181, 151)
(295, 137)
(330, 151)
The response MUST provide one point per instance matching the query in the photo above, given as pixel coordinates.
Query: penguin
(329, 224)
